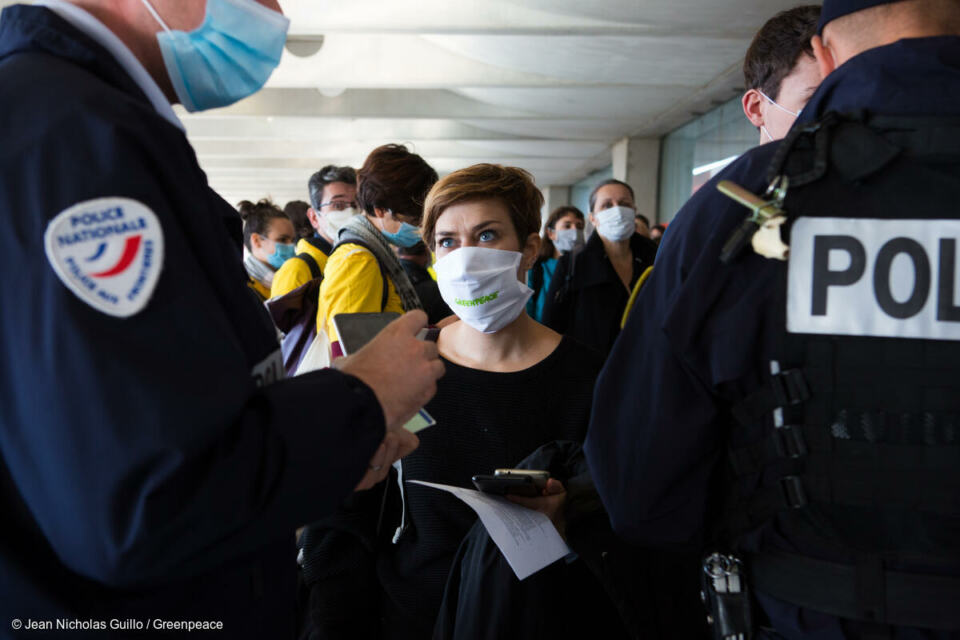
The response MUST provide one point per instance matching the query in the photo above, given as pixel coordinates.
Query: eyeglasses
(339, 205)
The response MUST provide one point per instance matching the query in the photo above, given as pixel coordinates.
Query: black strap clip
(789, 441)
(794, 496)
(789, 388)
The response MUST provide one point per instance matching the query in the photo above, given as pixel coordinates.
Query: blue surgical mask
(228, 57)
(406, 237)
(281, 253)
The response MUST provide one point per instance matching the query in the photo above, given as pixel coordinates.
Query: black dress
(587, 298)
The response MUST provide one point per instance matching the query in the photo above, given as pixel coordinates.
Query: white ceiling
(547, 85)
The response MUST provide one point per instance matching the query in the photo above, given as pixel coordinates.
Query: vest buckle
(790, 388)
(794, 495)
(789, 442)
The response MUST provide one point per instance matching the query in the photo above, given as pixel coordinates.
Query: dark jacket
(587, 298)
(609, 590)
(143, 471)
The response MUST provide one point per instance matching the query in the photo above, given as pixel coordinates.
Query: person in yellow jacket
(364, 274)
(333, 194)
(268, 243)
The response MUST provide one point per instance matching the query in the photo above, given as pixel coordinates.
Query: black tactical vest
(861, 458)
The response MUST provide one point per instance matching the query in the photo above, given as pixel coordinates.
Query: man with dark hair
(296, 210)
(799, 412)
(780, 71)
(333, 192)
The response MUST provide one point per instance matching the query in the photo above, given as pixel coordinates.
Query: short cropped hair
(596, 189)
(512, 186)
(777, 47)
(394, 178)
(328, 175)
(257, 217)
(643, 219)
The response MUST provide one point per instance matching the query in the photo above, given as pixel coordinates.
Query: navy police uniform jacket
(702, 331)
(144, 472)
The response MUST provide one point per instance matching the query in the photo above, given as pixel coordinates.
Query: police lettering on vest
(871, 277)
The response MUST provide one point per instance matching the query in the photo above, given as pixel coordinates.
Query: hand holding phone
(401, 370)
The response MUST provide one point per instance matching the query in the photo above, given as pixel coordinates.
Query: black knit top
(485, 421)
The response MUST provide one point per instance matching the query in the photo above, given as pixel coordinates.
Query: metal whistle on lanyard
(761, 228)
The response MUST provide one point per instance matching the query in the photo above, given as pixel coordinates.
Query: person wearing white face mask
(333, 200)
(780, 71)
(511, 385)
(590, 289)
(155, 464)
(562, 233)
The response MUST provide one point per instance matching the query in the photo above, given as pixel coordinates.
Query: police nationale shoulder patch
(109, 252)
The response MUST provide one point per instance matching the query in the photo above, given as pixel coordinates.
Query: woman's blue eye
(487, 236)
(446, 243)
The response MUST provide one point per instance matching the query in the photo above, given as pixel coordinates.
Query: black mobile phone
(354, 330)
(503, 484)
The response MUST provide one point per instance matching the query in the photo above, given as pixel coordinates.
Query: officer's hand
(395, 445)
(401, 370)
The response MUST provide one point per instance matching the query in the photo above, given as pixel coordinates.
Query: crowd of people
(720, 463)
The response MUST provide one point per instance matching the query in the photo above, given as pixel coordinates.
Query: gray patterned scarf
(262, 273)
(360, 228)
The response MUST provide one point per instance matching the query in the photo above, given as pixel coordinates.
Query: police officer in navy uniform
(801, 417)
(153, 466)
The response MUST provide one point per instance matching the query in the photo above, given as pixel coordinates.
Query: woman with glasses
(363, 273)
(333, 202)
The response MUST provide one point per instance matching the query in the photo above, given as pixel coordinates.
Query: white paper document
(526, 538)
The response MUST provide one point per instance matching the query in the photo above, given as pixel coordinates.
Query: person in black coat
(590, 288)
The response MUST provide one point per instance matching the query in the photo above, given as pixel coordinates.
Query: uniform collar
(99, 33)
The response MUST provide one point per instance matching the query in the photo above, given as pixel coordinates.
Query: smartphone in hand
(519, 482)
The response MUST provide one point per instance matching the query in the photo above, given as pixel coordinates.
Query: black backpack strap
(536, 277)
(312, 263)
(564, 290)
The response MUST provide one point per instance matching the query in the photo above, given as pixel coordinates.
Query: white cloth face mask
(480, 285)
(616, 223)
(569, 239)
(334, 220)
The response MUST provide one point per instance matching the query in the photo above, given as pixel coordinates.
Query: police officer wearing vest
(153, 466)
(800, 414)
